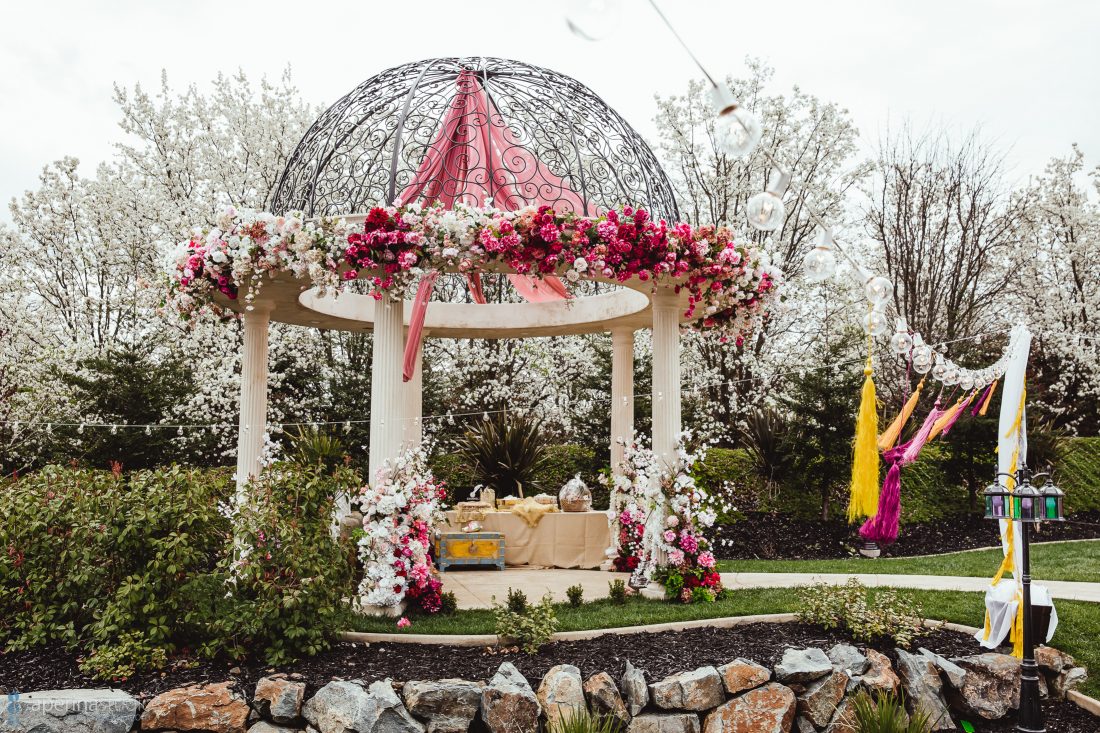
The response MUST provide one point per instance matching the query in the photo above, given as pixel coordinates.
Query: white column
(386, 389)
(253, 409)
(622, 392)
(666, 373)
(412, 427)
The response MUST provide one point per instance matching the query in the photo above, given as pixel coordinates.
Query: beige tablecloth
(561, 539)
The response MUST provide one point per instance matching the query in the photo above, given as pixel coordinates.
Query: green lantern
(1053, 500)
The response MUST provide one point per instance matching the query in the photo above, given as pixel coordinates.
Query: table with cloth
(559, 540)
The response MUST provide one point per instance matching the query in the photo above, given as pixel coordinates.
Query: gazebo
(463, 130)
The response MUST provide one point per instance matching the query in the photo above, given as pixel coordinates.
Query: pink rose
(403, 622)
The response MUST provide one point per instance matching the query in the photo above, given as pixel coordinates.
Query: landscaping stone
(743, 674)
(767, 709)
(664, 723)
(803, 725)
(819, 701)
(990, 686)
(848, 658)
(880, 677)
(1068, 680)
(1052, 660)
(924, 689)
(698, 690)
(508, 704)
(956, 675)
(214, 707)
(448, 706)
(343, 707)
(279, 699)
(561, 692)
(265, 727)
(95, 711)
(634, 688)
(604, 698)
(802, 665)
(844, 719)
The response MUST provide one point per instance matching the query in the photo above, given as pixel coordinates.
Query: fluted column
(253, 408)
(622, 392)
(386, 389)
(666, 373)
(412, 426)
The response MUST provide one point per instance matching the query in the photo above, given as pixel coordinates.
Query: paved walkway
(476, 588)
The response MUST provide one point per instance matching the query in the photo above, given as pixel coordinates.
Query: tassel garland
(864, 487)
(890, 436)
(958, 413)
(988, 397)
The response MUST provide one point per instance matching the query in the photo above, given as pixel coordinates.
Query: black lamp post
(1027, 505)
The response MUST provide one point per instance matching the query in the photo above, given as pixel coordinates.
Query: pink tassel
(978, 403)
(955, 419)
(913, 447)
(883, 527)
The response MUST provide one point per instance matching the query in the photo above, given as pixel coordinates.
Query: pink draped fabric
(471, 160)
(416, 324)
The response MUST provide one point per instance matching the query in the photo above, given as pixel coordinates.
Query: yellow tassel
(864, 487)
(988, 398)
(1017, 632)
(947, 417)
(988, 627)
(890, 436)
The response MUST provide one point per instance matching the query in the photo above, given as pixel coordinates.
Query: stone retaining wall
(808, 691)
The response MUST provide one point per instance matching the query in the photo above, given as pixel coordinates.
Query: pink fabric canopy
(475, 157)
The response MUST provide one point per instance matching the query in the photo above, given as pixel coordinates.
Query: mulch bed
(764, 536)
(659, 654)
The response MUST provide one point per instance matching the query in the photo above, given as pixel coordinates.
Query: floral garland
(728, 279)
(661, 512)
(399, 512)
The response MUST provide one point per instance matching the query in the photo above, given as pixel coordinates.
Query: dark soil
(762, 536)
(659, 654)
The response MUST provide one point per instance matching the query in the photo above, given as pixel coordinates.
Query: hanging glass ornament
(879, 290)
(820, 263)
(901, 343)
(765, 209)
(876, 323)
(735, 128)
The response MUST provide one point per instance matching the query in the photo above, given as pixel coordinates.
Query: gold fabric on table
(561, 539)
(532, 511)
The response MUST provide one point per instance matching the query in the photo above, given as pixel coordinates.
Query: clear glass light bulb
(951, 375)
(876, 324)
(901, 342)
(765, 211)
(592, 20)
(738, 132)
(879, 290)
(939, 371)
(819, 265)
(966, 381)
(922, 364)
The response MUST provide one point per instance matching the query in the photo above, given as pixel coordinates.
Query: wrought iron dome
(555, 142)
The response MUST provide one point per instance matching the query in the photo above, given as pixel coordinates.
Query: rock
(1068, 680)
(508, 704)
(844, 719)
(924, 689)
(819, 701)
(664, 723)
(803, 725)
(265, 727)
(881, 676)
(448, 706)
(990, 687)
(561, 693)
(604, 698)
(802, 665)
(342, 706)
(217, 708)
(279, 699)
(100, 711)
(635, 690)
(698, 690)
(767, 709)
(956, 675)
(743, 674)
(1051, 660)
(848, 658)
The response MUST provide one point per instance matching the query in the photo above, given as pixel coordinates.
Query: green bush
(1077, 471)
(133, 568)
(456, 474)
(616, 591)
(530, 627)
(867, 616)
(575, 594)
(885, 713)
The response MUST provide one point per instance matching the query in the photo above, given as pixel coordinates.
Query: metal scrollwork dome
(366, 148)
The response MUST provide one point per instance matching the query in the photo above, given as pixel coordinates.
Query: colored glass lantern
(996, 501)
(1027, 503)
(1053, 500)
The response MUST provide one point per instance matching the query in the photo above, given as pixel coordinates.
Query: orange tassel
(890, 436)
(988, 398)
(939, 425)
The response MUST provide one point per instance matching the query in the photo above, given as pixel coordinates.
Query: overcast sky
(1025, 71)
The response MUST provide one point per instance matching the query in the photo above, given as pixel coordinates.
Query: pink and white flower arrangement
(399, 511)
(728, 279)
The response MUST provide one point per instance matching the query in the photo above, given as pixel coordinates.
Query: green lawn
(1077, 634)
(1049, 561)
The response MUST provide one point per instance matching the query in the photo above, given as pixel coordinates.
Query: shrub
(313, 447)
(517, 600)
(506, 452)
(867, 616)
(455, 473)
(886, 713)
(448, 603)
(530, 628)
(579, 720)
(616, 591)
(575, 593)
